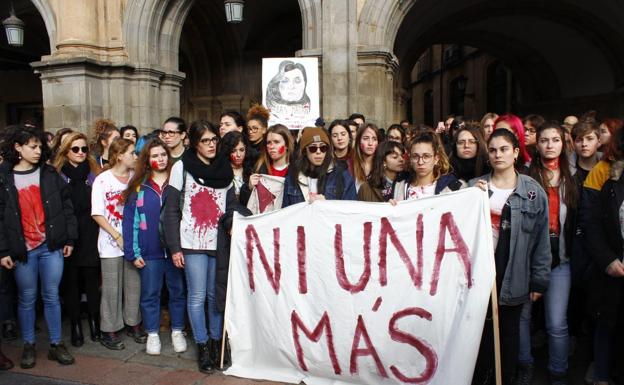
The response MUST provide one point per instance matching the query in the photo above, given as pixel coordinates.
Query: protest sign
(290, 90)
(339, 292)
(267, 195)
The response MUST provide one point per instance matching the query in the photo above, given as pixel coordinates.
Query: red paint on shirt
(553, 210)
(112, 200)
(33, 216)
(205, 210)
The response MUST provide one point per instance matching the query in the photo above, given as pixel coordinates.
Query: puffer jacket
(60, 222)
(530, 258)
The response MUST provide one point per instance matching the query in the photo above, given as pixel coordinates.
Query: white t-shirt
(417, 192)
(497, 202)
(105, 198)
(203, 207)
(313, 185)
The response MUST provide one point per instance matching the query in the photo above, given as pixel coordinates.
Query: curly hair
(21, 135)
(443, 166)
(260, 113)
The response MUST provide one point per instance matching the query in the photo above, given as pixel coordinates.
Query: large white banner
(290, 90)
(345, 292)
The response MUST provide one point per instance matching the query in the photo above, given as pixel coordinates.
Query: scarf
(79, 186)
(464, 169)
(217, 174)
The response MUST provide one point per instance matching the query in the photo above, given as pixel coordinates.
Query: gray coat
(528, 267)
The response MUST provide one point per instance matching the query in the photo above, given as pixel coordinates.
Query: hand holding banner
(340, 292)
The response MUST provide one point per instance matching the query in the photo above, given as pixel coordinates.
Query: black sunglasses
(77, 149)
(312, 149)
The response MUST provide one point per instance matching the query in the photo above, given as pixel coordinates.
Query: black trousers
(509, 323)
(73, 276)
(8, 295)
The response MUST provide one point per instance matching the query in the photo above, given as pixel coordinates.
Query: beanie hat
(311, 135)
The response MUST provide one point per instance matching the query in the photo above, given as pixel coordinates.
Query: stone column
(376, 98)
(339, 61)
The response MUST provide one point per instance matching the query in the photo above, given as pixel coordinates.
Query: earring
(385, 167)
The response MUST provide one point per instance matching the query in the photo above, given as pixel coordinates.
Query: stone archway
(546, 73)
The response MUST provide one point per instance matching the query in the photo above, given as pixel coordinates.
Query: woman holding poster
(315, 176)
(200, 192)
(519, 215)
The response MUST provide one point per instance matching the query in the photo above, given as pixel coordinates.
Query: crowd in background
(115, 225)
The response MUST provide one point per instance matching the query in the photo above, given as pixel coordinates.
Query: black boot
(216, 354)
(77, 339)
(204, 361)
(94, 327)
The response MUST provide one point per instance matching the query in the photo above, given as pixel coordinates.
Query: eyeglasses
(464, 142)
(169, 133)
(314, 149)
(213, 140)
(426, 158)
(77, 149)
(253, 129)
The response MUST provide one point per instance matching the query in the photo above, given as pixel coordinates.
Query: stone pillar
(376, 98)
(339, 61)
(79, 90)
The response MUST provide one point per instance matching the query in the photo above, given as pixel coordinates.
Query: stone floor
(98, 365)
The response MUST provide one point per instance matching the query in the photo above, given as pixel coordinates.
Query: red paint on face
(281, 150)
(205, 210)
(236, 161)
(154, 165)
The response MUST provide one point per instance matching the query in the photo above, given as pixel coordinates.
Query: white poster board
(290, 90)
(345, 292)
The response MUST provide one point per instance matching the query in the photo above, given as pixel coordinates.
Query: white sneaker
(153, 345)
(178, 340)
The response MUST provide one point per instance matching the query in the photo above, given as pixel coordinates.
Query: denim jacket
(529, 264)
(298, 192)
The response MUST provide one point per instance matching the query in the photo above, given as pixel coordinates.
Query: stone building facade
(140, 61)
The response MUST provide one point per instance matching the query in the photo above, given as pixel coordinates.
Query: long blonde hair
(61, 157)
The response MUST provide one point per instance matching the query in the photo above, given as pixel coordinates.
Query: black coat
(60, 222)
(85, 252)
(223, 253)
(603, 241)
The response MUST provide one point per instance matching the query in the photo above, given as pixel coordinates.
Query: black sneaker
(29, 356)
(111, 341)
(58, 352)
(524, 376)
(137, 333)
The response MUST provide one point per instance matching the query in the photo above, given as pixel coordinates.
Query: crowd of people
(124, 222)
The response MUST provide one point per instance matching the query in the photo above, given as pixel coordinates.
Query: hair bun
(258, 111)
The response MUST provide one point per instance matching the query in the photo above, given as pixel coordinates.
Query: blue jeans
(151, 285)
(556, 314)
(200, 271)
(48, 266)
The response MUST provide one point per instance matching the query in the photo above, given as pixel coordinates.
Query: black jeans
(509, 322)
(72, 277)
(8, 295)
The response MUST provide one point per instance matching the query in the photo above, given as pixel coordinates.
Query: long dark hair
(143, 169)
(377, 175)
(358, 156)
(21, 135)
(303, 165)
(542, 174)
(481, 157)
(196, 131)
(228, 143)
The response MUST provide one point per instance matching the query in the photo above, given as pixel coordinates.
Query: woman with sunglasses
(201, 192)
(37, 229)
(468, 153)
(120, 279)
(79, 170)
(315, 175)
(428, 171)
(519, 213)
(141, 221)
(388, 167)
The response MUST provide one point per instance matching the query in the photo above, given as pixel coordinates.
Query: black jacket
(223, 253)
(60, 222)
(603, 241)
